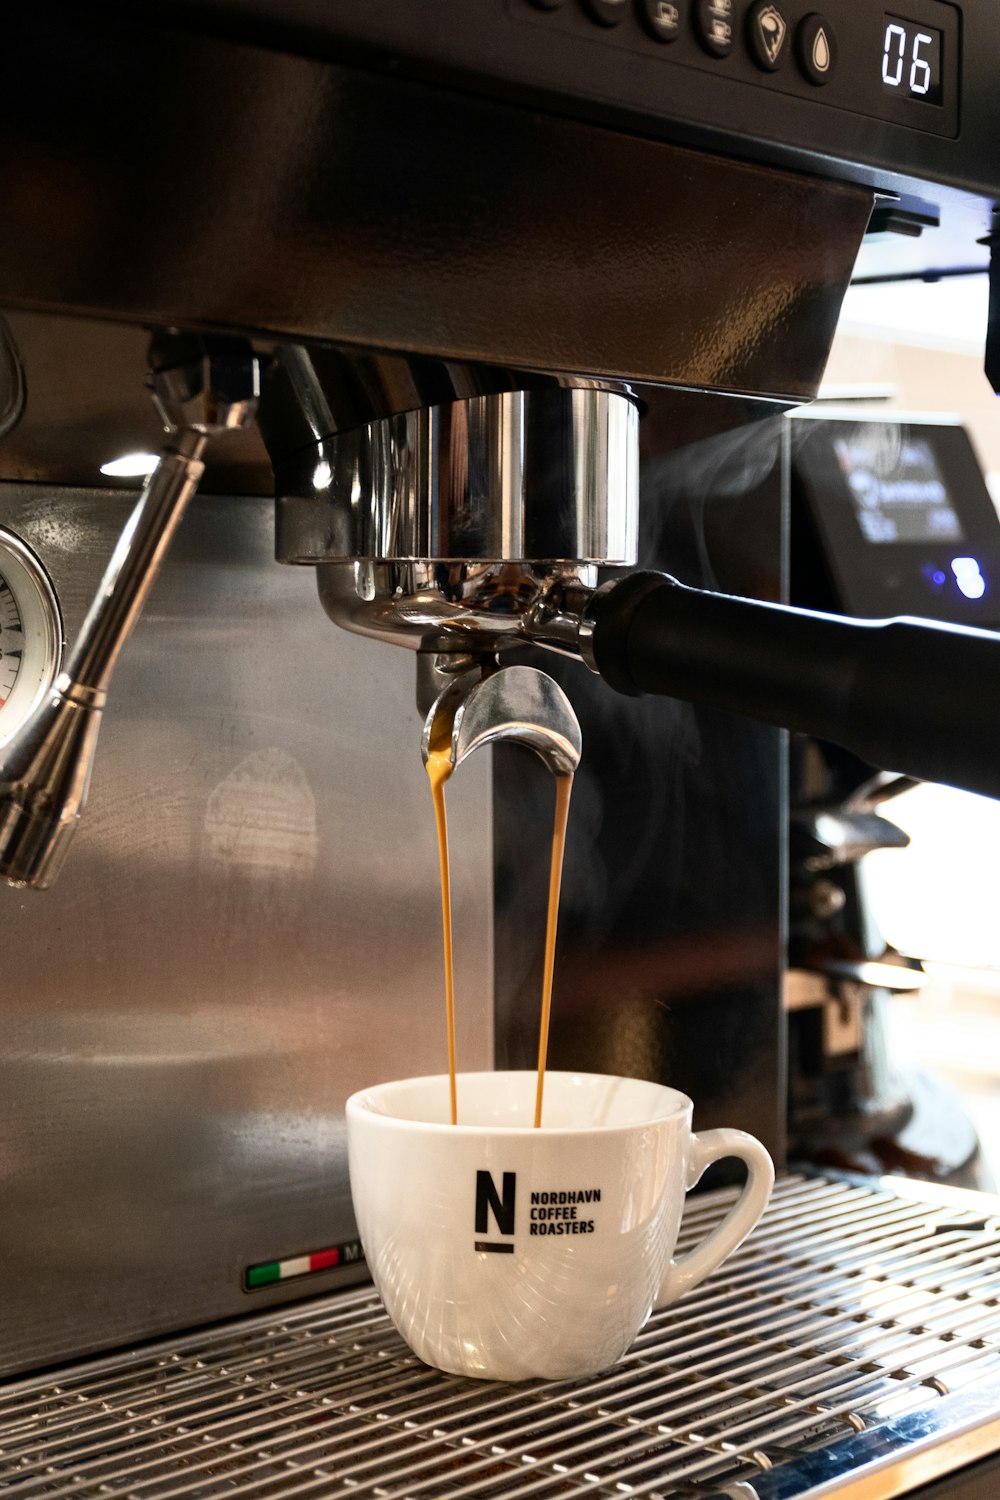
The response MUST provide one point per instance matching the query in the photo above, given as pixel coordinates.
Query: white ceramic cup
(507, 1252)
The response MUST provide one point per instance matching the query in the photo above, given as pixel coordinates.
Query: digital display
(911, 60)
(896, 487)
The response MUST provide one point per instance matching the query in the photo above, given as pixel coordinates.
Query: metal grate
(848, 1307)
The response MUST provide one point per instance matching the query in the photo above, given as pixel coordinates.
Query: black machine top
(461, 179)
(895, 93)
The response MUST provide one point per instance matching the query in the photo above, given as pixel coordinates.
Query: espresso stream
(439, 768)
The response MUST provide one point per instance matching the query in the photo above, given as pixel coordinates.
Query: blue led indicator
(938, 577)
(968, 576)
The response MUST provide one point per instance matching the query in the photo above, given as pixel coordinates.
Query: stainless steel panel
(853, 1324)
(246, 929)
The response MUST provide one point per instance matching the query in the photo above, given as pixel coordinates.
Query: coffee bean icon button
(767, 35)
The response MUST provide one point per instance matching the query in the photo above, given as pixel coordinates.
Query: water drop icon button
(816, 49)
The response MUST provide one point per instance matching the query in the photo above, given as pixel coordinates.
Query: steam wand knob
(201, 386)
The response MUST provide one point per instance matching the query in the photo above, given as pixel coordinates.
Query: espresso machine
(428, 300)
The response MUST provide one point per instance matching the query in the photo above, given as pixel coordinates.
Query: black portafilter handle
(906, 695)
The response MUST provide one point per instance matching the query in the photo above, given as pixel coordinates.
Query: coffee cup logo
(502, 1205)
(563, 1211)
(558, 1211)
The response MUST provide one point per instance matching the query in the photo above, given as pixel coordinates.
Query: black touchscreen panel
(902, 515)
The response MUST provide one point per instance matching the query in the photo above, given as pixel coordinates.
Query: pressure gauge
(30, 633)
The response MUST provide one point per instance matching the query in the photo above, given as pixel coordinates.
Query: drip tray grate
(855, 1323)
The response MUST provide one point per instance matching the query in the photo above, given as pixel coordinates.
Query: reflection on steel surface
(262, 816)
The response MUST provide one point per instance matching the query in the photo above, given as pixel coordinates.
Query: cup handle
(710, 1146)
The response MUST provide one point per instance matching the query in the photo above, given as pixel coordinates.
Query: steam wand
(201, 386)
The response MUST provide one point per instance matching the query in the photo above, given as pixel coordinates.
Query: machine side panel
(246, 930)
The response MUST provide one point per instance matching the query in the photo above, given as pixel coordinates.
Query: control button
(546, 4)
(662, 18)
(968, 576)
(714, 22)
(816, 46)
(767, 35)
(608, 12)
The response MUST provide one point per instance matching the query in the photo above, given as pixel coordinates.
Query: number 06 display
(911, 60)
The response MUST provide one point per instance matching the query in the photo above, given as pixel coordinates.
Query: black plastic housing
(910, 696)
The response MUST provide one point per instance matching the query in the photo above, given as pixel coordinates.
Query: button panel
(784, 45)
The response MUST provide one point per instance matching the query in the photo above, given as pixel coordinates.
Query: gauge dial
(30, 633)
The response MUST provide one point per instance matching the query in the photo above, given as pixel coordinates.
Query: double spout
(517, 704)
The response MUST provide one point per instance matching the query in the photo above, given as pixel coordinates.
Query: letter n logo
(501, 1205)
